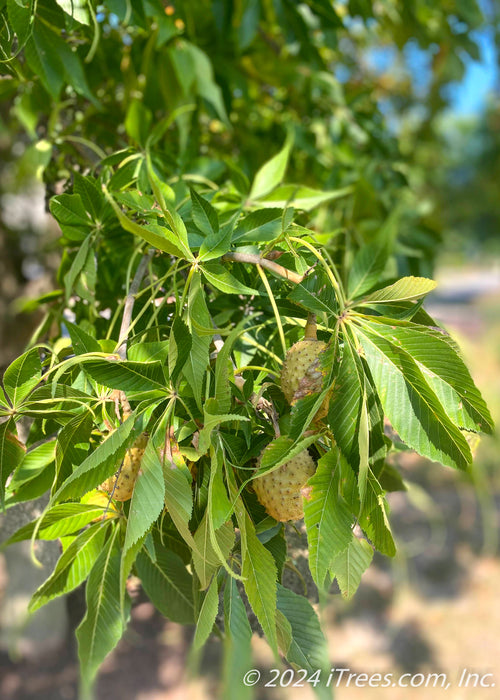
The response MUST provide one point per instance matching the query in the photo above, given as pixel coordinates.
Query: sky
(470, 96)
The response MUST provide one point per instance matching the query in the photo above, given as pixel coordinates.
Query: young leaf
(271, 173)
(103, 624)
(348, 566)
(73, 566)
(167, 584)
(206, 618)
(197, 362)
(327, 518)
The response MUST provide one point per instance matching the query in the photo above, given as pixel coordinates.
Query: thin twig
(267, 264)
(129, 305)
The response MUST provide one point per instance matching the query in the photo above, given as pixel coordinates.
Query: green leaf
(33, 463)
(308, 648)
(43, 60)
(259, 573)
(90, 194)
(197, 362)
(411, 405)
(349, 566)
(20, 16)
(70, 211)
(148, 496)
(101, 463)
(72, 279)
(103, 624)
(259, 226)
(204, 215)
(58, 521)
(180, 345)
(327, 517)
(223, 280)
(11, 453)
(22, 376)
(217, 244)
(206, 618)
(73, 566)
(282, 450)
(206, 560)
(367, 267)
(82, 342)
(301, 197)
(167, 584)
(127, 376)
(158, 236)
(72, 445)
(405, 289)
(179, 501)
(237, 643)
(443, 369)
(271, 173)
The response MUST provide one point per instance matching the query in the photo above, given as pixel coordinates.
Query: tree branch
(264, 262)
(129, 304)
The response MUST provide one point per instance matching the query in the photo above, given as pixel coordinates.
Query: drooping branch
(267, 264)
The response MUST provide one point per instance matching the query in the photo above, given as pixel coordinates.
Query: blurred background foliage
(397, 98)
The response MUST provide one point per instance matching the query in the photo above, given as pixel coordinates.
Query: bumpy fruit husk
(279, 491)
(302, 374)
(126, 477)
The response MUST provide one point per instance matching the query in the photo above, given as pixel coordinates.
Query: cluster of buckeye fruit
(280, 490)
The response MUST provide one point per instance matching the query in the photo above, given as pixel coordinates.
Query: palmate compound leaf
(327, 516)
(103, 624)
(443, 368)
(73, 566)
(411, 405)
